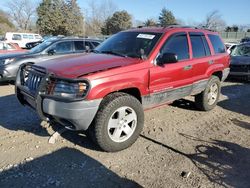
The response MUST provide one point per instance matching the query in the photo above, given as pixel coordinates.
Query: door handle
(188, 67)
(210, 62)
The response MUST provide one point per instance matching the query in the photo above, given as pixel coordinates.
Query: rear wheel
(118, 122)
(208, 99)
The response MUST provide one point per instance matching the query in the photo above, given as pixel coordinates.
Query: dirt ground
(179, 147)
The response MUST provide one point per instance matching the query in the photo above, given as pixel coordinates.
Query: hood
(74, 66)
(240, 60)
(15, 55)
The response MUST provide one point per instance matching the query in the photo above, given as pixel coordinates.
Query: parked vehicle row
(50, 49)
(21, 39)
(6, 47)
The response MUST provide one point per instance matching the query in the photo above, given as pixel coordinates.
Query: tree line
(65, 17)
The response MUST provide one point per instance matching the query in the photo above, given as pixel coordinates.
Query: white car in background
(230, 46)
(22, 38)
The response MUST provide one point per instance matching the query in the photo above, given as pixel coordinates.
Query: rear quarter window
(217, 44)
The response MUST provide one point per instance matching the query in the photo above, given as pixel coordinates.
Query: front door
(171, 81)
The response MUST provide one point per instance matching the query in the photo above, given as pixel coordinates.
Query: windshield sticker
(145, 36)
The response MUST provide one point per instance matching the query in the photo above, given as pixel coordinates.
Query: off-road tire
(201, 99)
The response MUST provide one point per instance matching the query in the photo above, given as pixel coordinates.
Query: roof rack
(180, 26)
(187, 26)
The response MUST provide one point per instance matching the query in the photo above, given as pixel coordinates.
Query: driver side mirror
(167, 58)
(51, 52)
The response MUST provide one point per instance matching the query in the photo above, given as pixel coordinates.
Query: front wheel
(118, 122)
(208, 99)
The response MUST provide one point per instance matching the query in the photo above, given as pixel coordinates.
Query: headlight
(70, 90)
(6, 61)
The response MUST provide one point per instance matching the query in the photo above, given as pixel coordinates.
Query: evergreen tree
(150, 23)
(74, 18)
(119, 21)
(166, 18)
(59, 17)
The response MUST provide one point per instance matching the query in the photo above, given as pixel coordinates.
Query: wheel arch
(219, 74)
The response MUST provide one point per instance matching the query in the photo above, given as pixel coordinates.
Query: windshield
(42, 46)
(129, 44)
(241, 50)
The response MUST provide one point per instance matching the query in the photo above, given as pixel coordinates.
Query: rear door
(201, 56)
(81, 46)
(220, 56)
(174, 80)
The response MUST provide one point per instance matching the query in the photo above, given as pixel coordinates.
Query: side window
(217, 44)
(16, 37)
(88, 44)
(95, 44)
(178, 45)
(31, 37)
(208, 52)
(9, 46)
(37, 37)
(25, 36)
(63, 47)
(197, 46)
(79, 46)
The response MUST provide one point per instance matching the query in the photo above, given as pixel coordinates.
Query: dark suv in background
(49, 49)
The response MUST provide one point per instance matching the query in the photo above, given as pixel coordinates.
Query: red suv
(106, 91)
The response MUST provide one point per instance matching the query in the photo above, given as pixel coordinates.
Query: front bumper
(240, 72)
(6, 75)
(74, 115)
(225, 74)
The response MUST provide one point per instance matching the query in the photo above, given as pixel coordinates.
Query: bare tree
(214, 21)
(22, 13)
(97, 14)
(5, 23)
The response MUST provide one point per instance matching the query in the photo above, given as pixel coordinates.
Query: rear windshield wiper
(113, 53)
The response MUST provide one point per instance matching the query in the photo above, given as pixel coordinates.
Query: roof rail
(180, 26)
(188, 26)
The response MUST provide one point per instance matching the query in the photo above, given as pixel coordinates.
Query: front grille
(239, 68)
(33, 80)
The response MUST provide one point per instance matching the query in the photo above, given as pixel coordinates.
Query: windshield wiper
(113, 53)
